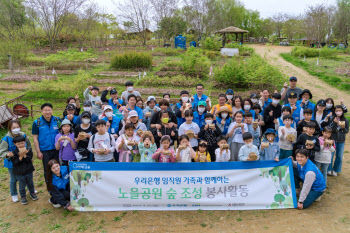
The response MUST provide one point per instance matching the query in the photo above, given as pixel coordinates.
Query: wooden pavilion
(232, 30)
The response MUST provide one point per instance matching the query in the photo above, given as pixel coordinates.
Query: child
(254, 129)
(247, 106)
(114, 101)
(309, 141)
(286, 141)
(235, 132)
(272, 111)
(94, 98)
(202, 154)
(65, 143)
(185, 152)
(165, 130)
(126, 144)
(114, 123)
(187, 126)
(223, 119)
(102, 143)
(254, 98)
(58, 185)
(320, 112)
(147, 148)
(323, 158)
(286, 110)
(23, 168)
(165, 155)
(340, 127)
(149, 111)
(246, 153)
(303, 123)
(222, 154)
(269, 148)
(182, 106)
(210, 134)
(258, 115)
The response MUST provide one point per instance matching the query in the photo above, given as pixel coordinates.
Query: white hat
(107, 107)
(132, 113)
(150, 98)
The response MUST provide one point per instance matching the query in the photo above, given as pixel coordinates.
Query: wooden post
(10, 63)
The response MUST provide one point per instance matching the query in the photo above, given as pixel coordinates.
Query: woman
(75, 102)
(247, 106)
(237, 105)
(58, 185)
(6, 148)
(181, 106)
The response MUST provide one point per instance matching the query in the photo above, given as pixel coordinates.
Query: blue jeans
(25, 180)
(323, 168)
(13, 183)
(339, 151)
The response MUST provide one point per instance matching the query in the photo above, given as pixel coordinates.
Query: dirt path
(318, 88)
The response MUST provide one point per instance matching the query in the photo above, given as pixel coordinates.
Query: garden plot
(118, 74)
(27, 78)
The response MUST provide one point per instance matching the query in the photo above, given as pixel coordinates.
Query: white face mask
(249, 145)
(86, 121)
(338, 113)
(247, 107)
(184, 99)
(254, 101)
(275, 102)
(130, 88)
(16, 131)
(230, 97)
(87, 109)
(109, 114)
(201, 110)
(208, 122)
(329, 106)
(224, 115)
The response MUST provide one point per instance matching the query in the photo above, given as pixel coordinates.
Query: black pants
(211, 150)
(65, 193)
(47, 156)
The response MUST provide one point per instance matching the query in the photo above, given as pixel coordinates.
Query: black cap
(183, 92)
(86, 114)
(129, 83)
(293, 79)
(70, 107)
(95, 88)
(305, 91)
(113, 91)
(87, 103)
(321, 103)
(293, 95)
(253, 95)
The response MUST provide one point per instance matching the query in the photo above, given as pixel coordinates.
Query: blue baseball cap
(293, 79)
(229, 91)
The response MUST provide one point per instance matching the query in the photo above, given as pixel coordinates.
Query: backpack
(93, 139)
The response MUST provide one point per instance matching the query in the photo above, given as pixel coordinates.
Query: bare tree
(278, 20)
(342, 20)
(138, 12)
(52, 15)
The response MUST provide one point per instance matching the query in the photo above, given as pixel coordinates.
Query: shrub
(303, 51)
(211, 43)
(328, 53)
(173, 63)
(168, 51)
(195, 64)
(211, 54)
(18, 51)
(131, 60)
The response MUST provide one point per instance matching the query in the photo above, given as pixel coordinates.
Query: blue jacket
(75, 119)
(227, 124)
(199, 119)
(270, 153)
(319, 184)
(269, 101)
(308, 105)
(61, 182)
(180, 120)
(255, 133)
(114, 128)
(11, 147)
(296, 114)
(196, 100)
(113, 105)
(46, 133)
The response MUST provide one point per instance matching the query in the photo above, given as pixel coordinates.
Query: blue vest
(309, 105)
(227, 124)
(199, 119)
(8, 163)
(61, 182)
(180, 120)
(75, 118)
(113, 105)
(269, 101)
(196, 100)
(319, 184)
(114, 125)
(47, 133)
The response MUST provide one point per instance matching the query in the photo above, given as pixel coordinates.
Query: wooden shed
(232, 30)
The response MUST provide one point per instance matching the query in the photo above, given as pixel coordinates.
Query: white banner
(182, 186)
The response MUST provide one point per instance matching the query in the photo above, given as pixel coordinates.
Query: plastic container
(193, 43)
(180, 42)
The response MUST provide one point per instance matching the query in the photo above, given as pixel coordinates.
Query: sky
(267, 8)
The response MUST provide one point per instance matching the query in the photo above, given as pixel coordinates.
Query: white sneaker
(334, 173)
(329, 173)
(15, 198)
(36, 192)
(54, 205)
(318, 199)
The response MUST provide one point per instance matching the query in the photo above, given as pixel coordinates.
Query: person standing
(129, 91)
(44, 131)
(200, 97)
(286, 90)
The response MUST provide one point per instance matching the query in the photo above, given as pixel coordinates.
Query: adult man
(114, 102)
(132, 106)
(292, 88)
(129, 91)
(296, 109)
(44, 131)
(200, 97)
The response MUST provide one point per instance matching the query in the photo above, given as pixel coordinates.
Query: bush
(130, 60)
(328, 53)
(195, 64)
(168, 51)
(211, 43)
(212, 54)
(18, 51)
(303, 51)
(243, 50)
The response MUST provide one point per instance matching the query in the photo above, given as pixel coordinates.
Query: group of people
(125, 129)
